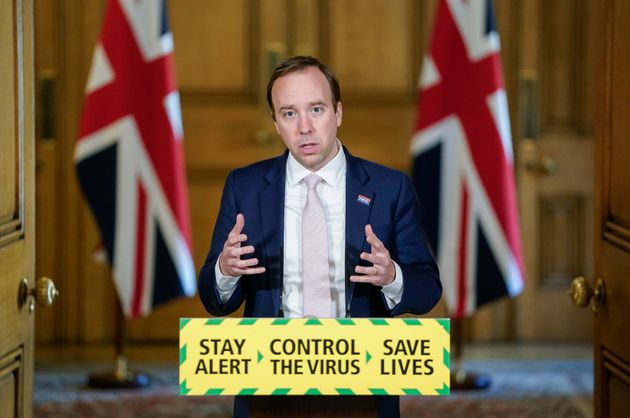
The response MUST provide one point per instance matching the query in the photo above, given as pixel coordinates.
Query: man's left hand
(382, 272)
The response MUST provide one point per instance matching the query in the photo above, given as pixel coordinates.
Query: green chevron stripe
(412, 392)
(313, 391)
(281, 321)
(183, 390)
(412, 321)
(345, 321)
(182, 354)
(378, 391)
(446, 324)
(214, 321)
(214, 391)
(446, 358)
(183, 322)
(445, 390)
(368, 357)
(344, 391)
(260, 357)
(313, 321)
(247, 321)
(378, 321)
(248, 391)
(281, 391)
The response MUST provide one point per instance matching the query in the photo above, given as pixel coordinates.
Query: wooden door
(612, 217)
(17, 230)
(555, 163)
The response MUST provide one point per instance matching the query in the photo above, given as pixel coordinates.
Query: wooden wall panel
(11, 386)
(559, 62)
(214, 58)
(562, 244)
(368, 61)
(304, 24)
(224, 136)
(587, 69)
(620, 123)
(567, 66)
(9, 182)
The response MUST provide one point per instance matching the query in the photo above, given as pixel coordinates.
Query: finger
(369, 270)
(235, 253)
(243, 264)
(239, 251)
(236, 239)
(372, 258)
(238, 226)
(364, 279)
(254, 270)
(371, 237)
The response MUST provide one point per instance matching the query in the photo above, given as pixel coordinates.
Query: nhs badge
(364, 199)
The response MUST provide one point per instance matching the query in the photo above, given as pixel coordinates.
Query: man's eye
(317, 109)
(289, 114)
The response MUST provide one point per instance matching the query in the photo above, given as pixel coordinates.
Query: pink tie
(316, 300)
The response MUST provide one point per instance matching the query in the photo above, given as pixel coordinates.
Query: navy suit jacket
(257, 191)
(393, 211)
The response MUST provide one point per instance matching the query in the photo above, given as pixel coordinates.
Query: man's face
(305, 117)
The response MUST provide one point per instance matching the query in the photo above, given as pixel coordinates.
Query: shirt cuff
(393, 292)
(225, 284)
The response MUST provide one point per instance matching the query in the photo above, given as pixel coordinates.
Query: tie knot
(312, 180)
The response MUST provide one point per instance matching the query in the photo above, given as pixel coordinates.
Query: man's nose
(304, 125)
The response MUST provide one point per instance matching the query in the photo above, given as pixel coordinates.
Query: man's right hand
(230, 262)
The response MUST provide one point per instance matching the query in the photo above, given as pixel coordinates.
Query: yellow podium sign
(335, 356)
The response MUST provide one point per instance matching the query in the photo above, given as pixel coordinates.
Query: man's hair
(301, 63)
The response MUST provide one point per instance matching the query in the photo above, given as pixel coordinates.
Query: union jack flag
(463, 159)
(130, 159)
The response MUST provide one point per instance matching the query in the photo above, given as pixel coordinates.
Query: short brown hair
(300, 63)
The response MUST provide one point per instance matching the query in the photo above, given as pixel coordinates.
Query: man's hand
(230, 262)
(382, 272)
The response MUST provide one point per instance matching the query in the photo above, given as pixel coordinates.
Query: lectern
(313, 407)
(366, 361)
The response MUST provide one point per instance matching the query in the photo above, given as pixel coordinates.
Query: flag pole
(121, 377)
(460, 378)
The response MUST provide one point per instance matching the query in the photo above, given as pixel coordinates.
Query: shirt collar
(332, 173)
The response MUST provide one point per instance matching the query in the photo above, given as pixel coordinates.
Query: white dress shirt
(332, 192)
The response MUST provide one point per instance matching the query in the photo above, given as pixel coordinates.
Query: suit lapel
(271, 204)
(359, 201)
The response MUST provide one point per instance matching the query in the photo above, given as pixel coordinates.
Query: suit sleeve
(208, 291)
(421, 281)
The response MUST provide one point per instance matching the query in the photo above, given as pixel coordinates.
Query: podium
(313, 407)
(314, 368)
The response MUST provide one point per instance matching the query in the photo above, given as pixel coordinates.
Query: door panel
(612, 215)
(555, 164)
(16, 206)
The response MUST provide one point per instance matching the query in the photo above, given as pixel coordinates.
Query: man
(365, 235)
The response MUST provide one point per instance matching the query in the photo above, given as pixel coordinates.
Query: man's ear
(276, 125)
(338, 113)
